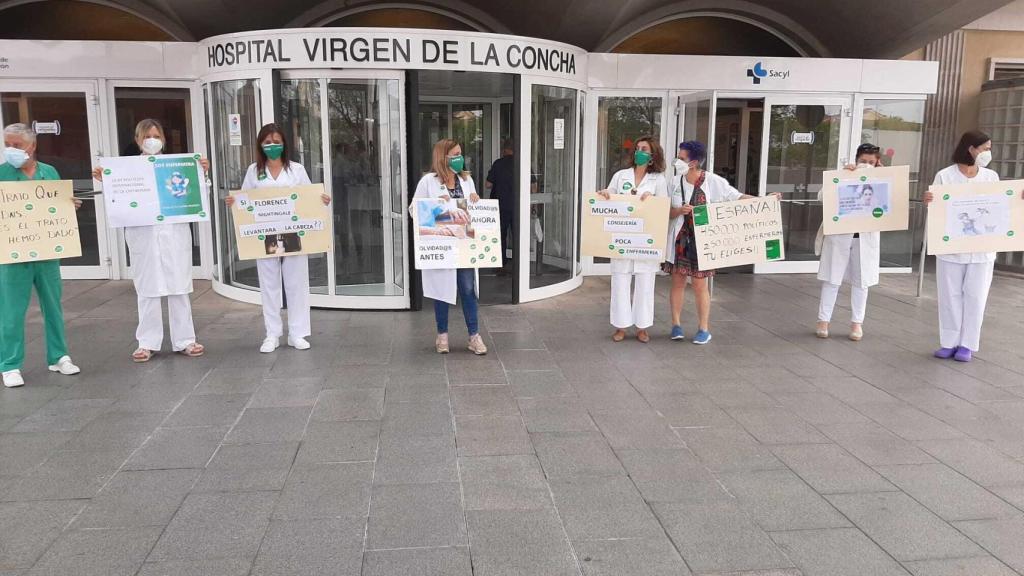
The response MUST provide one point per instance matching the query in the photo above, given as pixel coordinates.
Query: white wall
(1009, 17)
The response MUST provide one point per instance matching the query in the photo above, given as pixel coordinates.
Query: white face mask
(983, 159)
(152, 145)
(864, 165)
(16, 157)
(681, 167)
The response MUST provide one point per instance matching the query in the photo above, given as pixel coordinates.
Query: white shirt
(716, 189)
(953, 175)
(294, 175)
(624, 182)
(439, 284)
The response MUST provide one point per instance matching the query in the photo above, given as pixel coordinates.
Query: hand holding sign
(38, 221)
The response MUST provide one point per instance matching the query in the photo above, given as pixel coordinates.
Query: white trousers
(636, 311)
(963, 293)
(858, 302)
(293, 273)
(150, 332)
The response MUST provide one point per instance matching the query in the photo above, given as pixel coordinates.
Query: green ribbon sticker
(202, 214)
(945, 238)
(835, 180)
(631, 208)
(621, 251)
(295, 218)
(33, 254)
(700, 215)
(160, 218)
(1009, 192)
(611, 246)
(262, 237)
(250, 209)
(494, 258)
(493, 240)
(483, 237)
(835, 218)
(650, 240)
(151, 158)
(863, 178)
(29, 207)
(773, 249)
(58, 249)
(472, 246)
(295, 196)
(14, 255)
(133, 204)
(106, 172)
(945, 196)
(472, 260)
(1009, 233)
(52, 210)
(592, 201)
(302, 233)
(877, 213)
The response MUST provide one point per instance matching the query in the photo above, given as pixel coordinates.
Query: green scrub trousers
(16, 282)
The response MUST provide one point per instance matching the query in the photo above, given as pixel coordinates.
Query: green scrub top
(9, 173)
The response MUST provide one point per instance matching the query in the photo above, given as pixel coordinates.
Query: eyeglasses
(867, 149)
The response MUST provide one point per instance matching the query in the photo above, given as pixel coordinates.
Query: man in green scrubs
(16, 280)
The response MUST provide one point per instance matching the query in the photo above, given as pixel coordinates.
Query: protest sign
(38, 221)
(866, 200)
(147, 190)
(271, 222)
(738, 233)
(625, 227)
(977, 217)
(454, 233)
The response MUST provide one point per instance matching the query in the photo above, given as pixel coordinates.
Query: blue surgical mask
(16, 157)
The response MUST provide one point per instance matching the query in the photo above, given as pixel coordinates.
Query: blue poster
(178, 186)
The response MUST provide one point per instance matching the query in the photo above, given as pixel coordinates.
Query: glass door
(803, 137)
(695, 120)
(64, 114)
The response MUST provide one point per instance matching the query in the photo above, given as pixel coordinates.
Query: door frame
(117, 247)
(845, 101)
(91, 91)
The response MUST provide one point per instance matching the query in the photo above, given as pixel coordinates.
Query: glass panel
(620, 121)
(398, 198)
(697, 121)
(232, 160)
(69, 152)
(553, 164)
(471, 127)
(213, 194)
(505, 122)
(796, 169)
(433, 120)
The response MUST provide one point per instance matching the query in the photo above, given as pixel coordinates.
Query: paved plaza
(767, 452)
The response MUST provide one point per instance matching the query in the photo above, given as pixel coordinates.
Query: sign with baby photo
(272, 222)
(151, 190)
(456, 233)
(866, 200)
(980, 217)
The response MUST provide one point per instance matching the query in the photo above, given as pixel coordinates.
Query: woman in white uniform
(854, 257)
(448, 180)
(273, 169)
(645, 178)
(161, 259)
(964, 279)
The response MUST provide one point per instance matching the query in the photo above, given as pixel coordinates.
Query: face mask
(681, 167)
(456, 163)
(983, 159)
(273, 151)
(864, 165)
(16, 157)
(152, 145)
(641, 158)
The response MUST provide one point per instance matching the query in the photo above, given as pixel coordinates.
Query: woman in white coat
(161, 259)
(273, 169)
(854, 257)
(964, 279)
(645, 178)
(448, 180)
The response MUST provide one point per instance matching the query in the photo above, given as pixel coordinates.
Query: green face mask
(273, 151)
(641, 158)
(456, 163)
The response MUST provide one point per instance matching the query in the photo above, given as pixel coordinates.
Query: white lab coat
(836, 255)
(161, 259)
(716, 189)
(440, 284)
(291, 271)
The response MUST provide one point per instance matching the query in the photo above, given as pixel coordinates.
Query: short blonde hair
(143, 128)
(439, 161)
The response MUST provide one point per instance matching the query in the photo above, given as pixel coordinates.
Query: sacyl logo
(759, 71)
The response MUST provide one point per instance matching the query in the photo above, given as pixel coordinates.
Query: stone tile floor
(768, 452)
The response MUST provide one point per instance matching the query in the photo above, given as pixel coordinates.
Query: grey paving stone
(411, 419)
(451, 561)
(671, 476)
(334, 405)
(776, 426)
(20, 453)
(30, 527)
(780, 500)
(208, 410)
(67, 475)
(526, 360)
(1001, 538)
(650, 556)
(555, 414)
(517, 542)
(504, 341)
(981, 566)
(908, 422)
(213, 567)
(504, 483)
(311, 548)
(546, 384)
(326, 491)
(416, 459)
(287, 392)
(836, 552)
(244, 467)
(354, 441)
(177, 448)
(483, 401)
(736, 395)
(492, 436)
(416, 516)
(976, 460)
(1012, 494)
(854, 391)
(947, 493)
(643, 430)
(718, 536)
(601, 508)
(728, 449)
(875, 445)
(829, 469)
(63, 415)
(216, 525)
(477, 371)
(138, 498)
(259, 425)
(820, 408)
(97, 552)
(904, 528)
(571, 454)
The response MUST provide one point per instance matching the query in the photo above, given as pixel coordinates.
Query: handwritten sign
(866, 200)
(982, 217)
(738, 233)
(149, 190)
(38, 221)
(271, 222)
(624, 227)
(455, 233)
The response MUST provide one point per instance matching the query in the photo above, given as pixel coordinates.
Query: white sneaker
(269, 345)
(65, 367)
(13, 379)
(298, 343)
